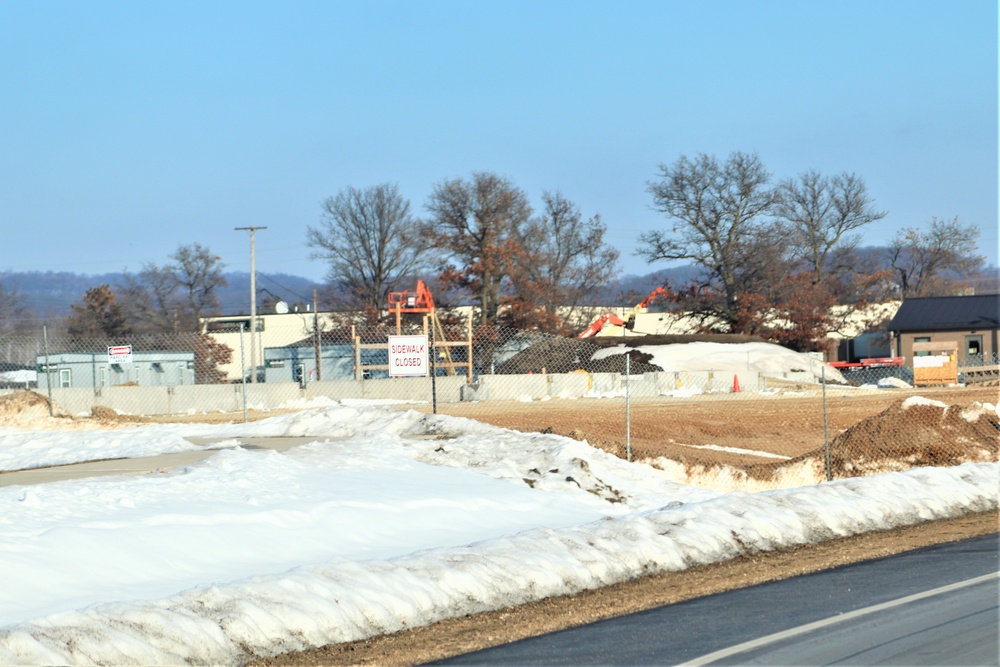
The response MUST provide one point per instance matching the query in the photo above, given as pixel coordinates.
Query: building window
(65, 377)
(973, 347)
(922, 339)
(233, 325)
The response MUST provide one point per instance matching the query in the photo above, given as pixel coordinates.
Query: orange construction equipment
(418, 301)
(598, 324)
(610, 318)
(659, 291)
(421, 301)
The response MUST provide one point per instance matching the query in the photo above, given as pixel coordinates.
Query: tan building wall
(273, 330)
(985, 340)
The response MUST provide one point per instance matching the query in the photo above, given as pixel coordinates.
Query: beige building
(273, 330)
(968, 321)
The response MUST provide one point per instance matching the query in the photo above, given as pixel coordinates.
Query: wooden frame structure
(440, 348)
(940, 366)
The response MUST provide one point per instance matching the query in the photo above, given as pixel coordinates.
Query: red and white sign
(407, 356)
(120, 354)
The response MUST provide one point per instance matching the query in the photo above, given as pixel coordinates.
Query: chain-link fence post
(433, 353)
(826, 426)
(243, 375)
(628, 409)
(48, 376)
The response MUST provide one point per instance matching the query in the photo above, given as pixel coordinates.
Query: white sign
(407, 356)
(931, 361)
(120, 354)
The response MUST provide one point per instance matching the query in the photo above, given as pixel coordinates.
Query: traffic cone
(736, 383)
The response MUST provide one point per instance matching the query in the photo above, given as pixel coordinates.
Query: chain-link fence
(725, 415)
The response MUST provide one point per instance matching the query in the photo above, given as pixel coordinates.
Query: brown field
(785, 424)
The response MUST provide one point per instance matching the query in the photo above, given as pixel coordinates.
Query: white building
(273, 330)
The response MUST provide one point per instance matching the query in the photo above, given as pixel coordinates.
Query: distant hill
(50, 294)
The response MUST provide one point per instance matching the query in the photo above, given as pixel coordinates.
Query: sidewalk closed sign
(120, 354)
(407, 356)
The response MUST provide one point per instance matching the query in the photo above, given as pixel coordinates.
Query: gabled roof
(947, 313)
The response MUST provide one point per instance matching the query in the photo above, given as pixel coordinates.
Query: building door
(973, 350)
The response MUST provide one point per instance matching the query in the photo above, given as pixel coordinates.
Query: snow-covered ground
(766, 358)
(372, 527)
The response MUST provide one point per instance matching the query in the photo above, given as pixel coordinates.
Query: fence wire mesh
(730, 416)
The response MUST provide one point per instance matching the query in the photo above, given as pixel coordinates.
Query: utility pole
(253, 304)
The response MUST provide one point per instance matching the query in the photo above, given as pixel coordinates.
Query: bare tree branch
(370, 241)
(822, 213)
(562, 260)
(198, 274)
(719, 211)
(476, 222)
(12, 307)
(151, 301)
(921, 260)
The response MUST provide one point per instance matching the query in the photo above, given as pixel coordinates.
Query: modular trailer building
(152, 368)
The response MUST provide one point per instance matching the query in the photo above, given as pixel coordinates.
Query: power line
(287, 289)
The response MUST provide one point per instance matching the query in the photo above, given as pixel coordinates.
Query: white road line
(809, 627)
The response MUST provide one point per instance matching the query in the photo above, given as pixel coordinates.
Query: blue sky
(128, 129)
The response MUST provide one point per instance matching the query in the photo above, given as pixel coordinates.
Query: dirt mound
(30, 410)
(911, 433)
(24, 404)
(555, 355)
(565, 355)
(106, 414)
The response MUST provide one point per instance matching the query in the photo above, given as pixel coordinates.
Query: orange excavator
(610, 318)
(421, 301)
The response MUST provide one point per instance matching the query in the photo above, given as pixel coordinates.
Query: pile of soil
(23, 404)
(908, 434)
(742, 442)
(565, 355)
(110, 415)
(30, 410)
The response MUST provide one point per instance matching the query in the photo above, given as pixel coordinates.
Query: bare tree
(477, 224)
(12, 307)
(822, 214)
(198, 273)
(922, 260)
(720, 222)
(562, 260)
(370, 240)
(152, 302)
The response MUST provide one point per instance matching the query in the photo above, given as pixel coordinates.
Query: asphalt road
(932, 606)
